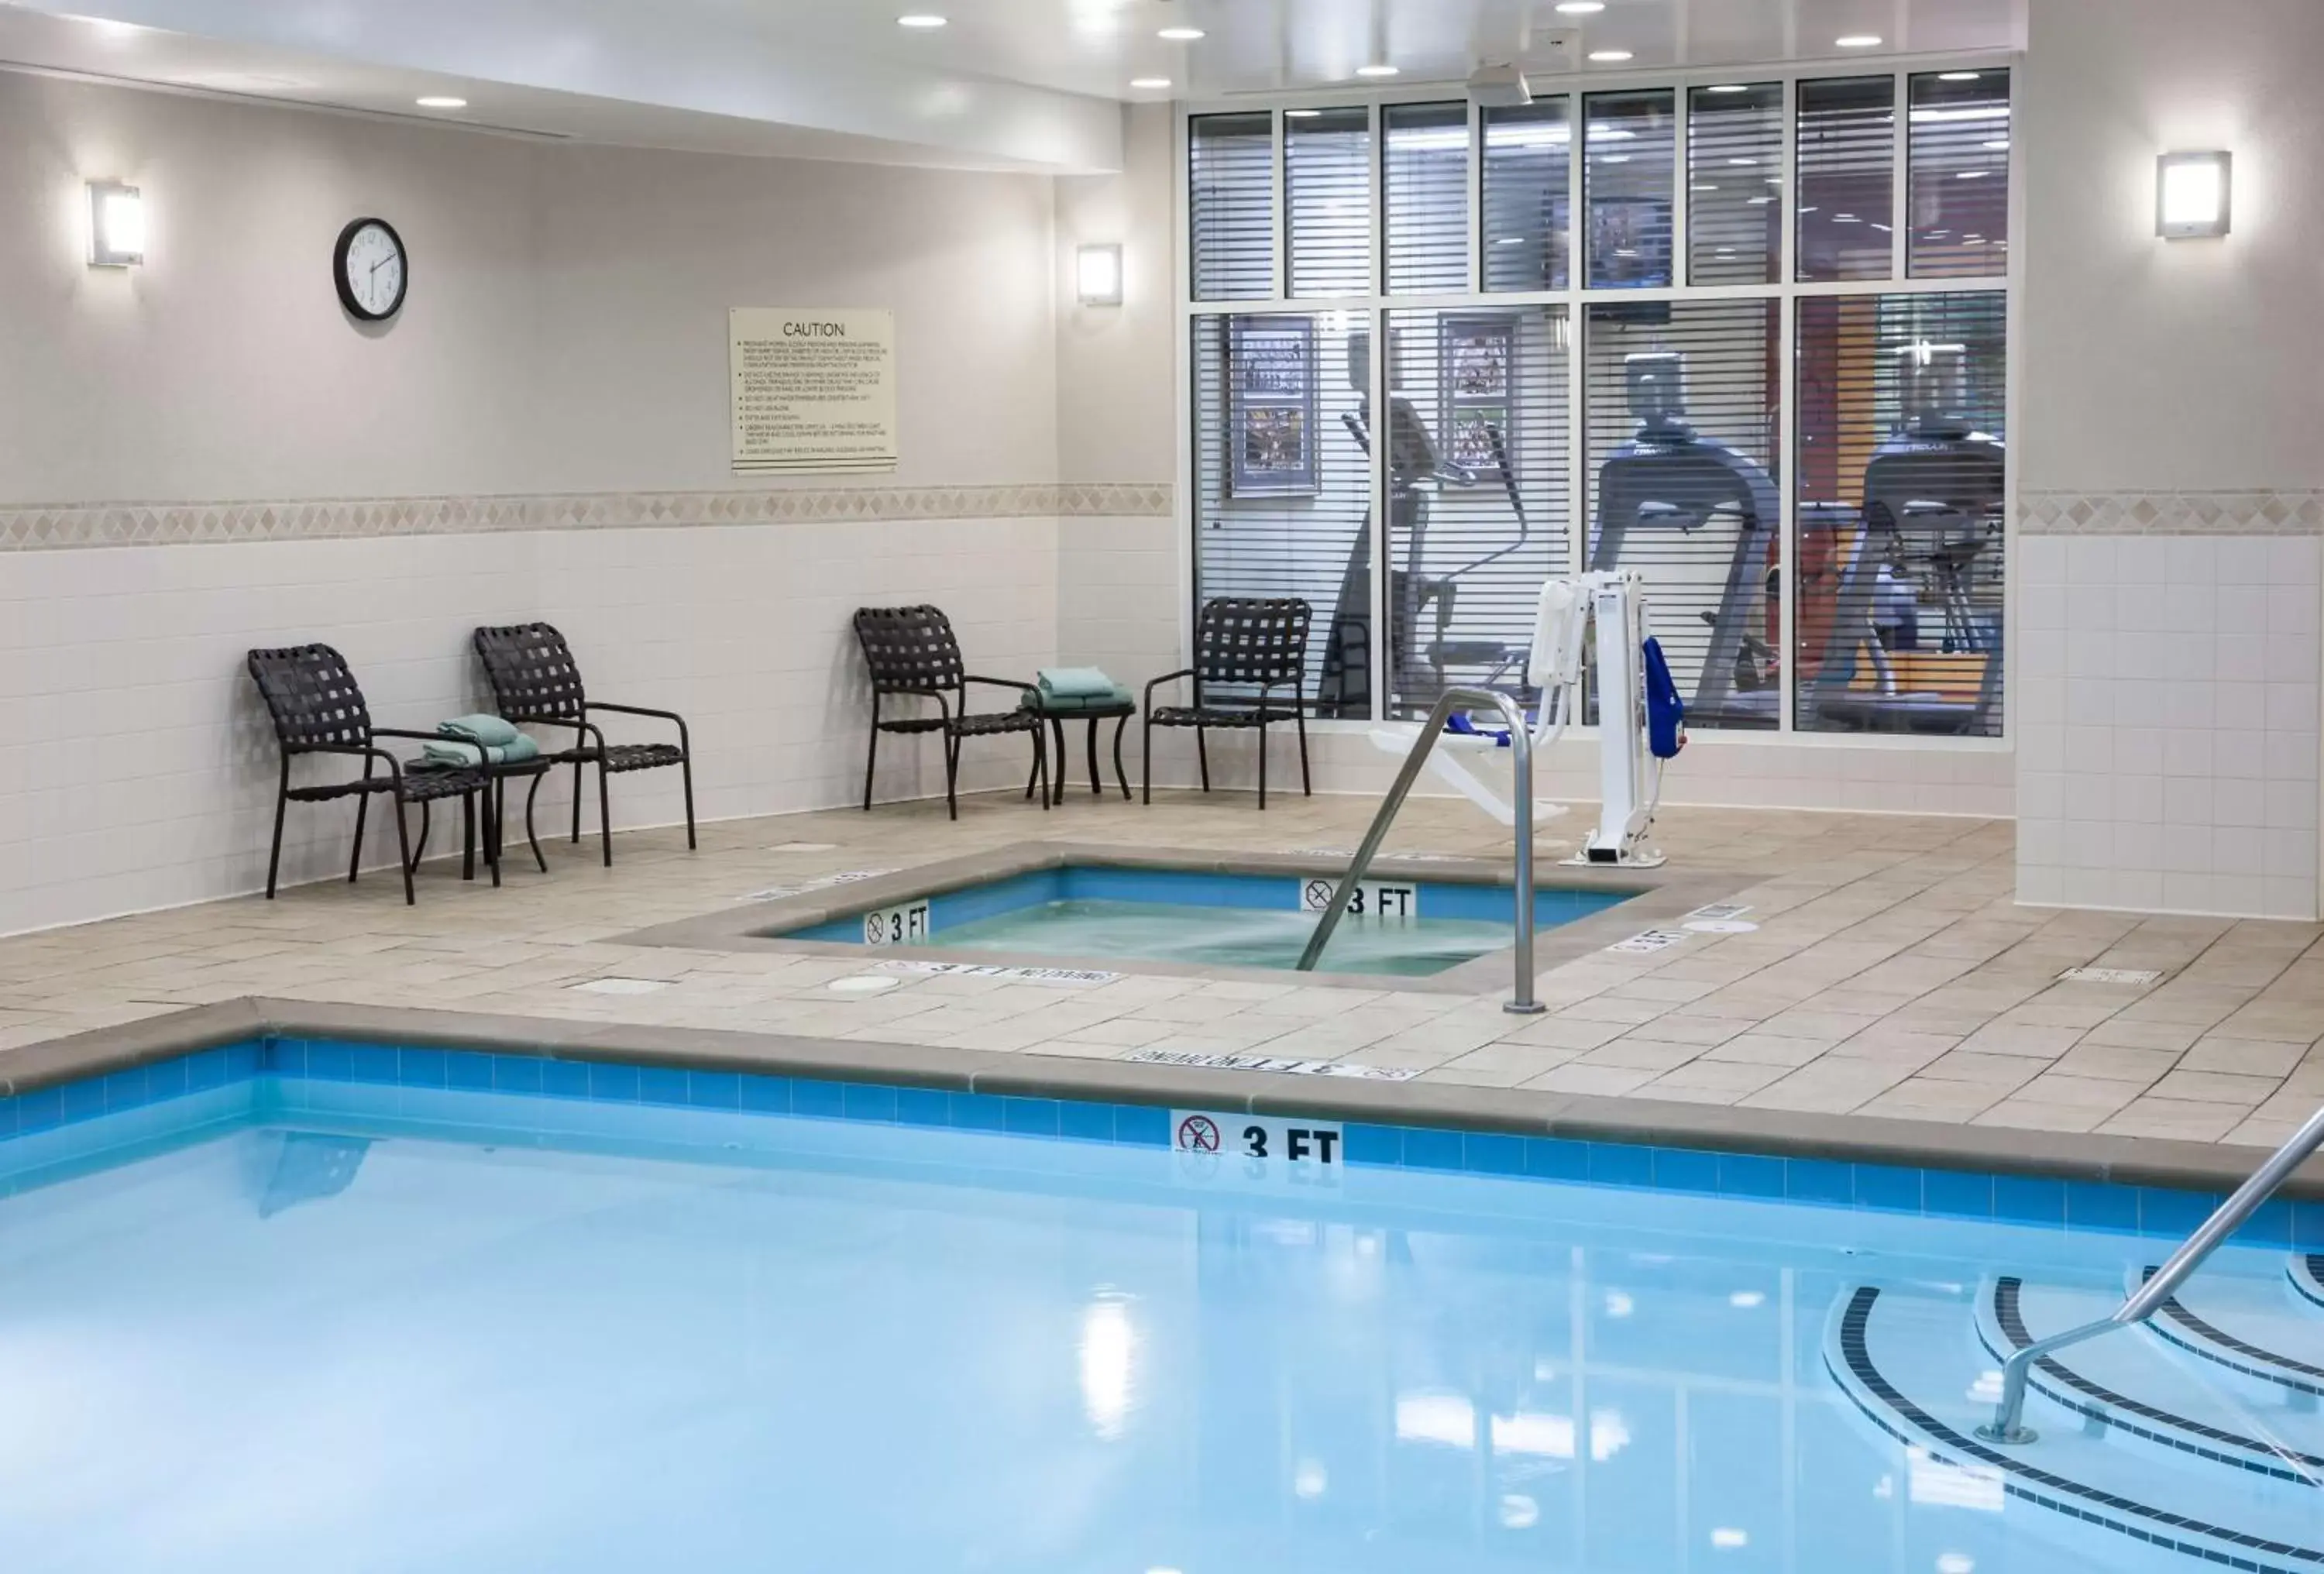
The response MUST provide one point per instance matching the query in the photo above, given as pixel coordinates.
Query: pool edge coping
(2166, 1163)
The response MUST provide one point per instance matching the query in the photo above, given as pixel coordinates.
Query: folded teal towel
(1074, 683)
(1067, 705)
(450, 752)
(491, 732)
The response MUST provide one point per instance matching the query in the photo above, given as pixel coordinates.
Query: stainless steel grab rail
(2008, 1426)
(1521, 747)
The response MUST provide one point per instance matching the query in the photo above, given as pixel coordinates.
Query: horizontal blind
(1528, 196)
(1282, 486)
(1683, 424)
(1901, 542)
(1630, 152)
(1480, 491)
(1327, 173)
(1959, 151)
(1425, 186)
(1230, 205)
(1847, 178)
(1735, 183)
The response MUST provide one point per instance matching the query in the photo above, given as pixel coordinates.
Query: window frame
(1370, 311)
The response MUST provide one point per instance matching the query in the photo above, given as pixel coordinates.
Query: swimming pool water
(1229, 937)
(375, 1326)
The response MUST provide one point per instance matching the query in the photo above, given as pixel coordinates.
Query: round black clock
(370, 270)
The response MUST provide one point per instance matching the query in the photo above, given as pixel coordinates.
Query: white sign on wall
(812, 391)
(1371, 898)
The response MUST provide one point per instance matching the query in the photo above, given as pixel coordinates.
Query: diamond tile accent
(2256, 512)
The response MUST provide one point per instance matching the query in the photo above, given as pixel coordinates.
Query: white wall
(565, 335)
(2168, 660)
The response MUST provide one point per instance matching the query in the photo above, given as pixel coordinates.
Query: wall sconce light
(2193, 195)
(116, 225)
(1097, 274)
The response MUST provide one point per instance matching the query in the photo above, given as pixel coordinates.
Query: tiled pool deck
(1894, 996)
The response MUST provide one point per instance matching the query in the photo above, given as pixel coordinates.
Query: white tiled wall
(137, 769)
(2169, 720)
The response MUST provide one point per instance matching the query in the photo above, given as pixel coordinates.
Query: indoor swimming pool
(259, 1307)
(1088, 912)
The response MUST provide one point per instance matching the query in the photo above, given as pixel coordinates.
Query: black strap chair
(912, 650)
(1241, 643)
(317, 709)
(536, 683)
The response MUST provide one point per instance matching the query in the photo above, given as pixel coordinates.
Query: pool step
(1912, 1363)
(2133, 1389)
(2271, 1342)
(2306, 1275)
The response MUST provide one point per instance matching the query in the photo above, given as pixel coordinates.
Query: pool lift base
(1626, 766)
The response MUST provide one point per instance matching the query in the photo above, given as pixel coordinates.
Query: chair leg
(412, 855)
(685, 770)
(468, 836)
(952, 776)
(1049, 797)
(362, 807)
(871, 756)
(1121, 775)
(1146, 734)
(1262, 765)
(1307, 781)
(1097, 782)
(605, 815)
(1202, 752)
(577, 785)
(529, 835)
(403, 850)
(281, 808)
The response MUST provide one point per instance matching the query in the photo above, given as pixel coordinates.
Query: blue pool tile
(929, 1107)
(1820, 1181)
(518, 1073)
(1557, 1158)
(978, 1112)
(126, 1089)
(2165, 1212)
(1621, 1164)
(422, 1068)
(1750, 1174)
(7, 1118)
(1429, 1148)
(765, 1095)
(868, 1101)
(1144, 1124)
(1682, 1169)
(812, 1096)
(206, 1071)
(2269, 1226)
(615, 1083)
(1030, 1116)
(1957, 1193)
(1891, 1188)
(1085, 1122)
(1373, 1144)
(324, 1060)
(241, 1060)
(714, 1090)
(43, 1109)
(84, 1100)
(662, 1085)
(2095, 1205)
(467, 1069)
(287, 1056)
(371, 1063)
(565, 1079)
(2030, 1200)
(1491, 1153)
(166, 1079)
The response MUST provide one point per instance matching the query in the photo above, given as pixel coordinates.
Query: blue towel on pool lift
(1666, 712)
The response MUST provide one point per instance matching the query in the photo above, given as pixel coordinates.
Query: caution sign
(902, 926)
(1216, 1148)
(1378, 899)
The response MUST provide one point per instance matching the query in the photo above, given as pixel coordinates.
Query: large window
(1748, 338)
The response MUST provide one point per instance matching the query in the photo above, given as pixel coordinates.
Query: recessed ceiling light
(1859, 40)
(1731, 88)
(1300, 113)
(1180, 34)
(1581, 7)
(921, 19)
(1375, 70)
(1609, 57)
(1956, 76)
(1149, 83)
(442, 101)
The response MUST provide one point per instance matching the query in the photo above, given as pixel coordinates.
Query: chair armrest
(423, 737)
(1165, 677)
(1033, 689)
(685, 742)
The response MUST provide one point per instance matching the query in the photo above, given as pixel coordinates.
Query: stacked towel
(480, 740)
(1066, 691)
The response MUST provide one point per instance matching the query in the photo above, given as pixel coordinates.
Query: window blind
(1230, 205)
(1959, 151)
(1327, 171)
(1425, 183)
(1847, 178)
(1528, 228)
(1735, 183)
(1630, 152)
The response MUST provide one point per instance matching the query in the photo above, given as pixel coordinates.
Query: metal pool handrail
(2007, 1425)
(1521, 747)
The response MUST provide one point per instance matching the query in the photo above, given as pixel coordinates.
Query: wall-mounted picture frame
(1274, 446)
(1476, 357)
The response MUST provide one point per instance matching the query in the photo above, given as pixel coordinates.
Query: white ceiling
(1022, 84)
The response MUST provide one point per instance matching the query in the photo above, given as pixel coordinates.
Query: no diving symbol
(1319, 895)
(1198, 1134)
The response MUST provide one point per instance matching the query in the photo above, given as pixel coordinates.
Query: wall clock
(370, 270)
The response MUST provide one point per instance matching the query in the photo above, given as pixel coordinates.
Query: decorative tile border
(67, 527)
(2259, 513)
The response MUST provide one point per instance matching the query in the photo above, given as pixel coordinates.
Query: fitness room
(1178, 786)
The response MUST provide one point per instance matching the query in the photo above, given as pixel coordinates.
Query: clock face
(371, 269)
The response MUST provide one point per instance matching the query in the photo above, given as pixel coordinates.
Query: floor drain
(862, 984)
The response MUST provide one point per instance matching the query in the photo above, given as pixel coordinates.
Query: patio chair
(912, 650)
(1241, 643)
(317, 709)
(536, 683)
